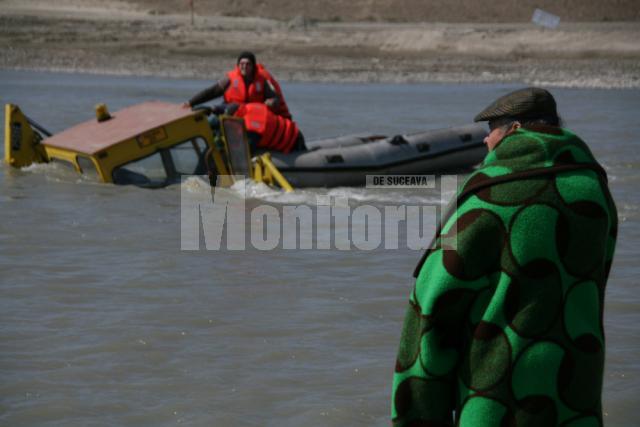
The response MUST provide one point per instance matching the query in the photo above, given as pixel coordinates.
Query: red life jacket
(238, 92)
(283, 108)
(277, 133)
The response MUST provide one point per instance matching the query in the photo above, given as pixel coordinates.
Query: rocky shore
(117, 37)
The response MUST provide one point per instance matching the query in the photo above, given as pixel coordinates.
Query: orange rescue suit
(277, 132)
(239, 93)
(282, 109)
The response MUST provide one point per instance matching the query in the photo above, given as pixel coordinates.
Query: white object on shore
(545, 19)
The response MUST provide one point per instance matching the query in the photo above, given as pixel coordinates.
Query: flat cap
(528, 102)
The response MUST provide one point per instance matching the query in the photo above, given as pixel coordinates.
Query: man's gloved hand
(218, 109)
(231, 108)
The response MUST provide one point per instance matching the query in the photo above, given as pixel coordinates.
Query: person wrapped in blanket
(505, 322)
(250, 91)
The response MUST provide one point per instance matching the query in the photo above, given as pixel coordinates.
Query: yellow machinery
(151, 144)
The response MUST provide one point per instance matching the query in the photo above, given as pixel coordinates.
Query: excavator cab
(151, 145)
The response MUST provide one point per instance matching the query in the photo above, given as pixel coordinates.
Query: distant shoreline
(106, 40)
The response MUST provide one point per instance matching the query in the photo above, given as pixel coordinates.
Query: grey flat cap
(528, 102)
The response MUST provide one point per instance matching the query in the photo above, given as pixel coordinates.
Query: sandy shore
(118, 37)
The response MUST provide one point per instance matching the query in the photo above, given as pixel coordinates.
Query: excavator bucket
(21, 142)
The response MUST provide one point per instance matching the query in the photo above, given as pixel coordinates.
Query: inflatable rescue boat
(347, 160)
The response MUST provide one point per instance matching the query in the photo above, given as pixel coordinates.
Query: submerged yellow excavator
(152, 144)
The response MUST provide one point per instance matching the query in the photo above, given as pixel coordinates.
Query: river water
(105, 321)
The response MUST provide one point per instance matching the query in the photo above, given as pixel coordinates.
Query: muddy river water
(105, 321)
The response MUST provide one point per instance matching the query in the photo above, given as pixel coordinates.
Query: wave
(248, 189)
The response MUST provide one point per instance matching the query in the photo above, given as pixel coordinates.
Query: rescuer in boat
(252, 93)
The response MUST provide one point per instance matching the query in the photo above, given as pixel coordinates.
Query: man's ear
(514, 127)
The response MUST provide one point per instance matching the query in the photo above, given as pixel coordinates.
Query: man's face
(498, 130)
(495, 136)
(246, 67)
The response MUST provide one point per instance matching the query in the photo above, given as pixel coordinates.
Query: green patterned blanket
(504, 326)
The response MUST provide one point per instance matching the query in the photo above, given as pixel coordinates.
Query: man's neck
(248, 78)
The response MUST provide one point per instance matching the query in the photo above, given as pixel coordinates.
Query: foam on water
(44, 168)
(248, 189)
(58, 173)
(195, 184)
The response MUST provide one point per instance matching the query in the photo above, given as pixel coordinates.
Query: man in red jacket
(241, 85)
(250, 83)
